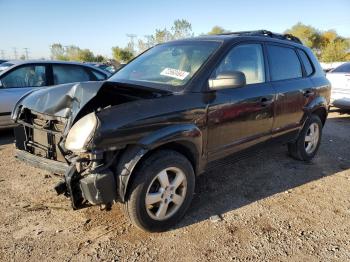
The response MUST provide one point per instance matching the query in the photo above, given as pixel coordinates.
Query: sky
(100, 24)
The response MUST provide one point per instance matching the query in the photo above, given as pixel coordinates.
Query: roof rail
(266, 33)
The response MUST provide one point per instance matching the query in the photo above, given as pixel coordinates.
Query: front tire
(309, 139)
(161, 191)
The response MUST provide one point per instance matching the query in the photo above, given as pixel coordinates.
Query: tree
(100, 59)
(181, 29)
(122, 54)
(217, 30)
(327, 45)
(57, 52)
(336, 50)
(309, 35)
(85, 55)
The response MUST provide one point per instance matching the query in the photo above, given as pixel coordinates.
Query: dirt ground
(271, 208)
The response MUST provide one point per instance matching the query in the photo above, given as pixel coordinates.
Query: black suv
(143, 136)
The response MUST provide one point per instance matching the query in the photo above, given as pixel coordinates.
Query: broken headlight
(81, 133)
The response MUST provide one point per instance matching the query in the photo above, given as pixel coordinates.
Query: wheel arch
(186, 141)
(319, 107)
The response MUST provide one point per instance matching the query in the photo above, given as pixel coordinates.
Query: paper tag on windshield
(175, 73)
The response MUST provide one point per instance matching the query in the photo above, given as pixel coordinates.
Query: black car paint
(205, 125)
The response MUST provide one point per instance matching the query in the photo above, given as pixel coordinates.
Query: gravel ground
(265, 207)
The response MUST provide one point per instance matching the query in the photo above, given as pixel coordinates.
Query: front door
(15, 84)
(241, 117)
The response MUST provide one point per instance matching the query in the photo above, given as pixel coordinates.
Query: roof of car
(262, 35)
(40, 61)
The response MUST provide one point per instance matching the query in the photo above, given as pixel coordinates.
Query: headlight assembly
(81, 133)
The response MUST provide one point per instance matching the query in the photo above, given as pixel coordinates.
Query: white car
(340, 80)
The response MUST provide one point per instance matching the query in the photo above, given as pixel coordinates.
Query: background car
(19, 77)
(340, 80)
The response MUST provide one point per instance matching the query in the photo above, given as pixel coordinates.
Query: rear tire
(309, 139)
(161, 191)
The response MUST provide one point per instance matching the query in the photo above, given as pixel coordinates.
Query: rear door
(241, 117)
(16, 83)
(67, 73)
(292, 85)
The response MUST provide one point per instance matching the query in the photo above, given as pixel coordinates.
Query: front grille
(40, 135)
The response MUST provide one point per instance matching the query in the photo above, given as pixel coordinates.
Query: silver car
(340, 80)
(19, 77)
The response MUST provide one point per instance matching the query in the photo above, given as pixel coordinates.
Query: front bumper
(43, 163)
(94, 188)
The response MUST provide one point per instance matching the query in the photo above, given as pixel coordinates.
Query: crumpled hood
(61, 100)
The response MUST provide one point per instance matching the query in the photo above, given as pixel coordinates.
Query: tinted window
(306, 61)
(284, 63)
(98, 75)
(247, 59)
(68, 74)
(344, 68)
(25, 76)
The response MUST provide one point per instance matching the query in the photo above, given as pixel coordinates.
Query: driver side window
(246, 58)
(26, 76)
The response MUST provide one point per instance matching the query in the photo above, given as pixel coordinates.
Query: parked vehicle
(143, 136)
(4, 65)
(19, 77)
(108, 68)
(340, 80)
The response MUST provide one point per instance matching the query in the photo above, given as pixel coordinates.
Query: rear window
(306, 61)
(284, 63)
(344, 68)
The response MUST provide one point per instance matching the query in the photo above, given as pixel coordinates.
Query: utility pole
(131, 44)
(15, 52)
(26, 52)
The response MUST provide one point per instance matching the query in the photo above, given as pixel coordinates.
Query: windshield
(167, 66)
(4, 66)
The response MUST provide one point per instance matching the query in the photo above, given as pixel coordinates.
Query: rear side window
(284, 63)
(69, 74)
(306, 61)
(344, 68)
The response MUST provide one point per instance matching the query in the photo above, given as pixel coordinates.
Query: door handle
(265, 102)
(309, 93)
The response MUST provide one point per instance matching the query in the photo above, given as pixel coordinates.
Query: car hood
(61, 100)
(69, 99)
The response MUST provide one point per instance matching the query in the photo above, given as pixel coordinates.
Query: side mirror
(230, 79)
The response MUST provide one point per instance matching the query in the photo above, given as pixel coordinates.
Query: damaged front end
(56, 130)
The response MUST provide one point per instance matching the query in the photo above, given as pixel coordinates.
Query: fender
(315, 104)
(188, 133)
